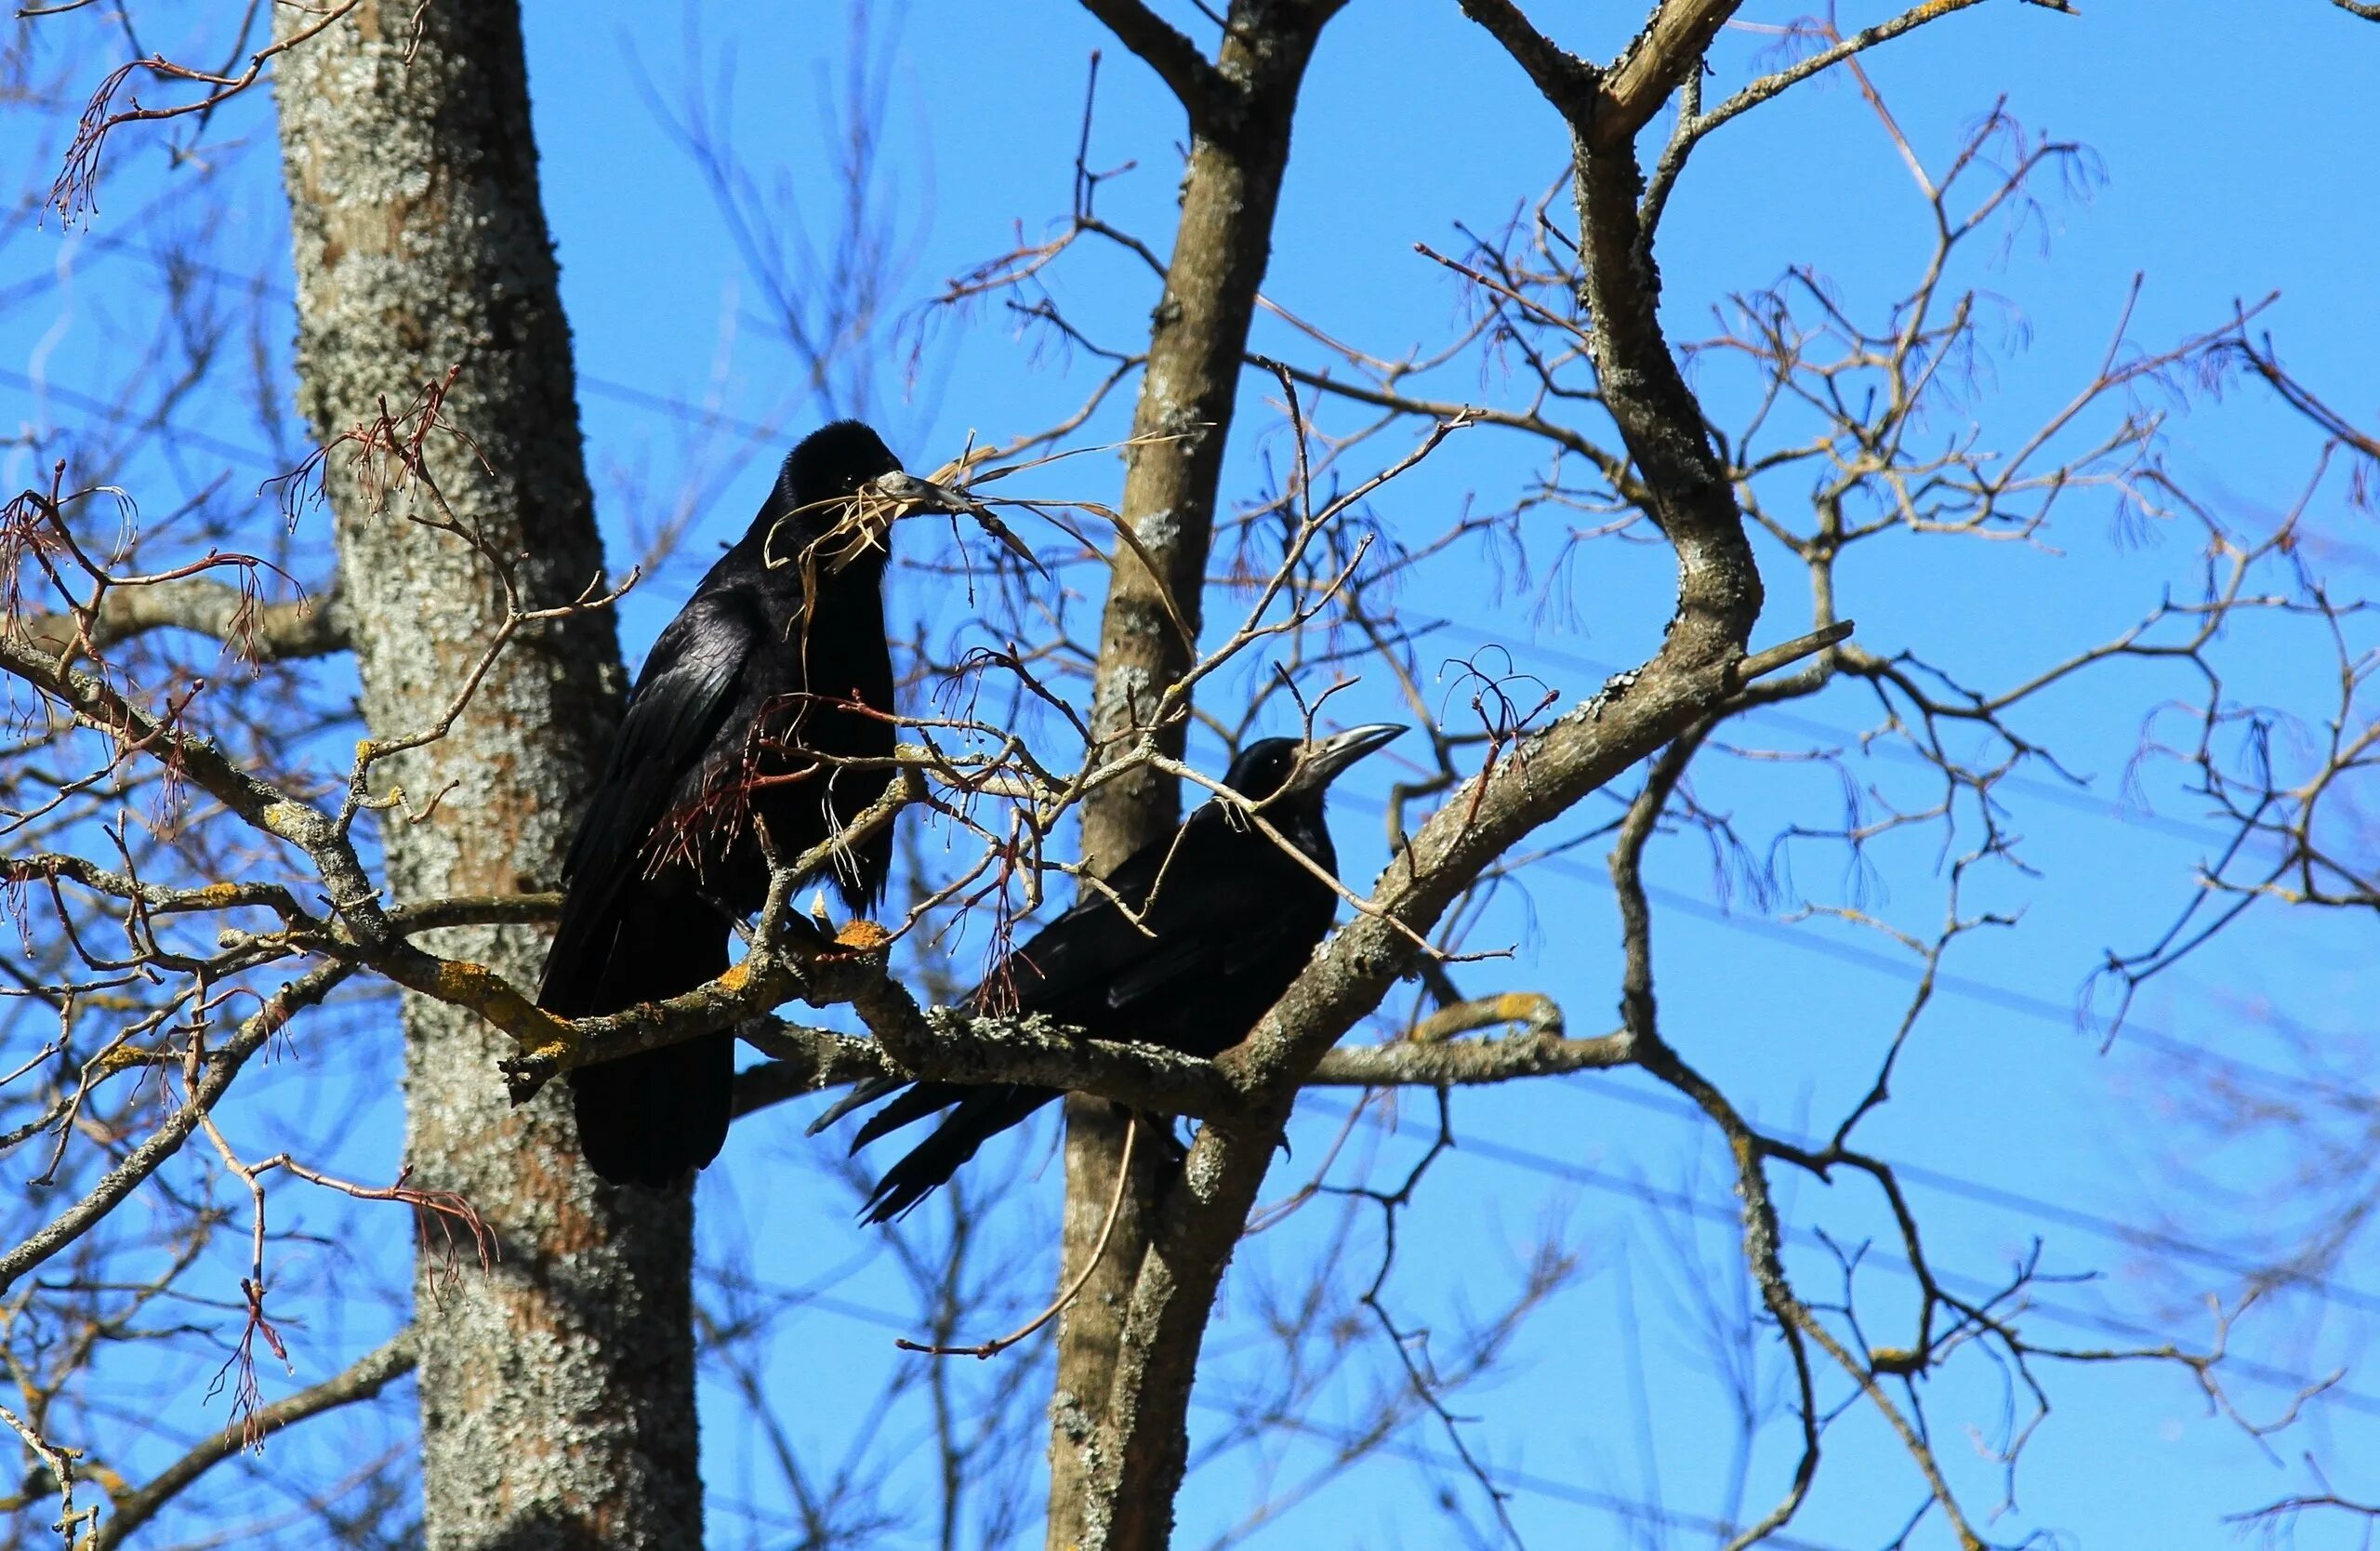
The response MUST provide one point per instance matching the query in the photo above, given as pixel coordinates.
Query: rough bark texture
(557, 1391)
(1239, 149)
(1092, 1327)
(1240, 107)
(1133, 1463)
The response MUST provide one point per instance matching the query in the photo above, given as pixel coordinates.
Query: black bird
(753, 677)
(1231, 919)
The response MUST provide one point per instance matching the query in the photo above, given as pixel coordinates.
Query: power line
(1515, 1481)
(1965, 988)
(750, 431)
(117, 414)
(603, 387)
(1631, 1509)
(2003, 999)
(1975, 1289)
(1778, 716)
(2210, 1256)
(1946, 982)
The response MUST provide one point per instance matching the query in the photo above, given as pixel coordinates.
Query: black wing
(1053, 965)
(1069, 963)
(676, 711)
(1228, 918)
(1214, 902)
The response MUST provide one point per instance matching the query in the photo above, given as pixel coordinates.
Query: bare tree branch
(362, 1380)
(259, 633)
(1669, 48)
(1206, 93)
(1189, 391)
(1466, 1062)
(214, 1079)
(1562, 78)
(947, 1046)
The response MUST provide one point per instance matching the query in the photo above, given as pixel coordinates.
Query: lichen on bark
(556, 1389)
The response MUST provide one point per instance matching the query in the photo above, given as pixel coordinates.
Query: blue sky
(2232, 159)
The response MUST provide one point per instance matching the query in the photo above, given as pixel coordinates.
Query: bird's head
(838, 496)
(1287, 770)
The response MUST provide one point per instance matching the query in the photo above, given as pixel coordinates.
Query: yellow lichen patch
(286, 817)
(215, 896)
(863, 936)
(482, 990)
(1896, 1361)
(736, 974)
(109, 1481)
(1519, 1006)
(461, 980)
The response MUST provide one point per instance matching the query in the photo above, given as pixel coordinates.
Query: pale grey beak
(915, 495)
(922, 495)
(1329, 758)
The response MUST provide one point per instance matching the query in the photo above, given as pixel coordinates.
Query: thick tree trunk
(1240, 112)
(557, 1391)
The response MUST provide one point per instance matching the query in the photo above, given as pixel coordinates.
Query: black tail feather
(646, 1119)
(922, 1099)
(867, 1091)
(984, 1113)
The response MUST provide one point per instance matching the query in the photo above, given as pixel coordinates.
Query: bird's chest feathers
(834, 645)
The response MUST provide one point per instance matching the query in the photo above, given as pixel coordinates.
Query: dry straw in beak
(860, 528)
(868, 514)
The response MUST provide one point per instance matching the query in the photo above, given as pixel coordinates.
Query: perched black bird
(1231, 919)
(753, 677)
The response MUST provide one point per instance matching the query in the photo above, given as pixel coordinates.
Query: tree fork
(1240, 107)
(1137, 1455)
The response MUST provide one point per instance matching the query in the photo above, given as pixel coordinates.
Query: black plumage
(754, 677)
(1231, 919)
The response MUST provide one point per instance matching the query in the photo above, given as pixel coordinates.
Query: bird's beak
(875, 507)
(909, 494)
(1329, 758)
(904, 494)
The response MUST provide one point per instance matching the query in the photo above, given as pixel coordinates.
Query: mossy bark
(556, 1389)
